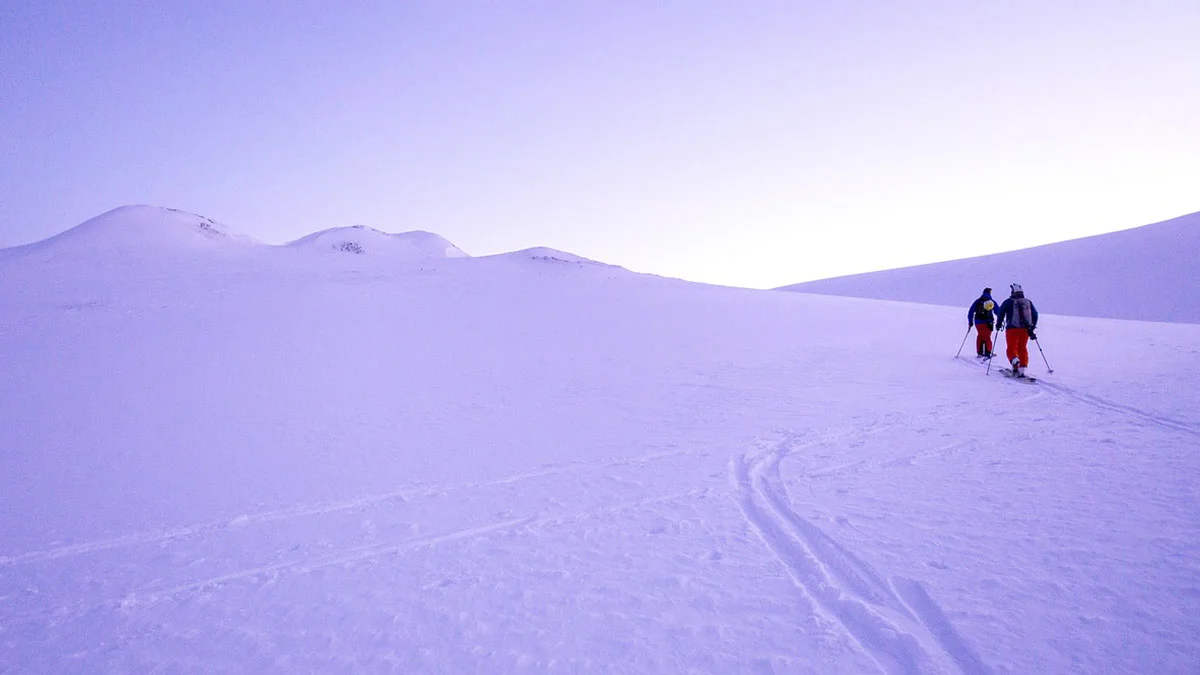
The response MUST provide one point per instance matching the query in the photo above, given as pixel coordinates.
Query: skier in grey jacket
(1021, 317)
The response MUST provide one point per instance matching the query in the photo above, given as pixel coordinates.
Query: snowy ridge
(150, 232)
(551, 255)
(359, 240)
(143, 230)
(1146, 273)
(548, 255)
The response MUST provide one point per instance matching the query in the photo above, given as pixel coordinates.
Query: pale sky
(745, 143)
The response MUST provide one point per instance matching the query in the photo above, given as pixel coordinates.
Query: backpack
(1022, 316)
(983, 312)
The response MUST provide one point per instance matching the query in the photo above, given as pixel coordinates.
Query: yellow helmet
(989, 305)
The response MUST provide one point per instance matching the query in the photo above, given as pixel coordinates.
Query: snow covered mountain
(545, 254)
(152, 233)
(533, 463)
(140, 230)
(1146, 273)
(416, 246)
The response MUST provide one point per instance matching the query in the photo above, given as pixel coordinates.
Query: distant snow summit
(149, 233)
(143, 229)
(360, 240)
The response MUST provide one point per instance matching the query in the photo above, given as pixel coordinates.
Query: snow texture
(229, 463)
(1146, 273)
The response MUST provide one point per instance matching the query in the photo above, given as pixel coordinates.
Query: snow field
(264, 463)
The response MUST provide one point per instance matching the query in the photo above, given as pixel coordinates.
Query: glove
(1031, 335)
(999, 327)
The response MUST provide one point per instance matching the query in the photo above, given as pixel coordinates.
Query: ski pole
(964, 342)
(995, 344)
(1048, 368)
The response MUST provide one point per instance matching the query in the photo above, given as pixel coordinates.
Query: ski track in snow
(1106, 405)
(1112, 406)
(363, 553)
(345, 557)
(934, 619)
(897, 624)
(145, 597)
(401, 496)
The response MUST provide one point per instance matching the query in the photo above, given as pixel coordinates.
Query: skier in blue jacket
(981, 314)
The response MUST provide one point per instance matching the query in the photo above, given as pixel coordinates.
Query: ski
(1008, 372)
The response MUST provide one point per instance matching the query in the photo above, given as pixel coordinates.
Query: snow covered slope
(1146, 273)
(481, 466)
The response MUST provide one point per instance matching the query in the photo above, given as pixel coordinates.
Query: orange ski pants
(983, 341)
(1017, 345)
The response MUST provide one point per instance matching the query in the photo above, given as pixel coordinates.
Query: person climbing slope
(1021, 317)
(982, 315)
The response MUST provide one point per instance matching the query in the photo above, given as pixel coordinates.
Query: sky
(750, 144)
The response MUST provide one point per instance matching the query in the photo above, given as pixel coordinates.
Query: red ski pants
(1017, 345)
(983, 341)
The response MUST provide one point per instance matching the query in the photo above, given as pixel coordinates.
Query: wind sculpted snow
(533, 464)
